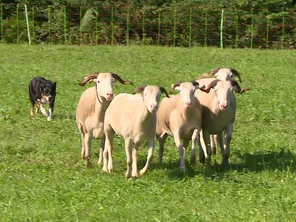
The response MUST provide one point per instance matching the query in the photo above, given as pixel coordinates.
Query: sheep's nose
(110, 95)
(153, 107)
(224, 106)
(187, 104)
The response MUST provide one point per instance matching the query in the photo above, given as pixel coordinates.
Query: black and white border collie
(42, 91)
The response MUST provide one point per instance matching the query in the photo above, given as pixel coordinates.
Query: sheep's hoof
(48, 119)
(193, 160)
(142, 172)
(128, 175)
(202, 160)
(88, 163)
(225, 162)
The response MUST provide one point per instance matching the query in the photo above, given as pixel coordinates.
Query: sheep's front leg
(226, 147)
(194, 139)
(161, 140)
(107, 154)
(149, 157)
(85, 152)
(135, 161)
(102, 145)
(205, 152)
(214, 143)
(181, 149)
(128, 151)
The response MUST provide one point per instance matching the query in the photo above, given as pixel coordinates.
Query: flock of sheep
(203, 112)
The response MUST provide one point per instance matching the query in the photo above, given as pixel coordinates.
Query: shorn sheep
(219, 109)
(91, 110)
(180, 117)
(226, 74)
(134, 118)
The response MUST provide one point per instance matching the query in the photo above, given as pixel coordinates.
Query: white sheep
(225, 74)
(180, 117)
(222, 74)
(219, 109)
(91, 110)
(134, 118)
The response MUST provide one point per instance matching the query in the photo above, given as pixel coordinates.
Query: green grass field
(42, 176)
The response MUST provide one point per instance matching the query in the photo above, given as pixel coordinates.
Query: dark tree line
(247, 23)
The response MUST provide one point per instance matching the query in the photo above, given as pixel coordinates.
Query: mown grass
(42, 177)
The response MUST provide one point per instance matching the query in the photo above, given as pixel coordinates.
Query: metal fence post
(97, 26)
(252, 29)
(17, 23)
(65, 24)
(28, 26)
(48, 21)
(158, 28)
(175, 26)
(80, 28)
(1, 20)
(143, 27)
(190, 27)
(283, 28)
(236, 30)
(127, 26)
(267, 31)
(221, 28)
(112, 26)
(206, 29)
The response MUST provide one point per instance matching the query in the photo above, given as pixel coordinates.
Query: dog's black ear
(55, 84)
(41, 86)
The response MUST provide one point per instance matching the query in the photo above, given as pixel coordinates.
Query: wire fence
(187, 26)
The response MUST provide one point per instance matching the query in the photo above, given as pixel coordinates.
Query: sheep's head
(105, 83)
(151, 96)
(186, 91)
(226, 74)
(224, 91)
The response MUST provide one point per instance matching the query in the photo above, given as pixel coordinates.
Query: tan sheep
(134, 118)
(91, 110)
(180, 117)
(227, 74)
(219, 109)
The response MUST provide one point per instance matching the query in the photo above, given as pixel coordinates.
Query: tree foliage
(256, 23)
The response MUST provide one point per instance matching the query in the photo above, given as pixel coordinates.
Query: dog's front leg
(43, 111)
(49, 115)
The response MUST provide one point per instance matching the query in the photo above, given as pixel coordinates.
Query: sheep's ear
(195, 84)
(117, 77)
(214, 72)
(89, 78)
(236, 74)
(176, 84)
(139, 89)
(164, 91)
(210, 86)
(178, 88)
(236, 86)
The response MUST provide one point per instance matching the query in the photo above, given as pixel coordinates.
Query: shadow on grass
(260, 161)
(249, 162)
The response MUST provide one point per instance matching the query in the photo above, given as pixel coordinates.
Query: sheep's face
(105, 83)
(151, 95)
(225, 74)
(186, 91)
(224, 93)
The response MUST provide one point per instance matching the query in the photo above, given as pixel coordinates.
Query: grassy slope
(43, 178)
